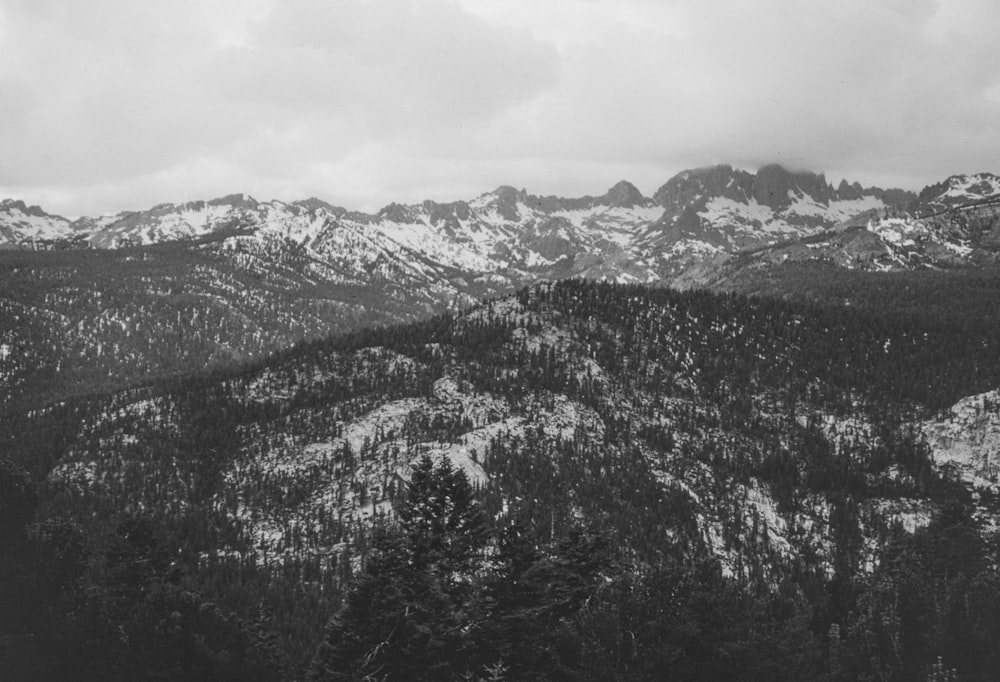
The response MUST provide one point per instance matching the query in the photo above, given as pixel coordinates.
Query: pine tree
(408, 615)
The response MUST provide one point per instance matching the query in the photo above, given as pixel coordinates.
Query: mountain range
(511, 236)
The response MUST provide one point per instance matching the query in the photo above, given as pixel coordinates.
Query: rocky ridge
(953, 224)
(688, 232)
(510, 233)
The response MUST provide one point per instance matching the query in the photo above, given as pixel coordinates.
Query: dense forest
(79, 322)
(956, 296)
(582, 481)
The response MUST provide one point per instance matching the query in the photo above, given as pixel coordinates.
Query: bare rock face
(690, 186)
(850, 192)
(775, 187)
(624, 195)
(8, 205)
(967, 438)
(396, 213)
(507, 200)
(814, 185)
(437, 213)
(244, 201)
(900, 199)
(771, 187)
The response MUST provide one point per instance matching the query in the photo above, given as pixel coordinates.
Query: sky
(108, 105)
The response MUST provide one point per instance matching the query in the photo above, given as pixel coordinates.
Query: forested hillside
(77, 322)
(687, 482)
(960, 297)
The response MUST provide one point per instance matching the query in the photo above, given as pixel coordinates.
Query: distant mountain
(958, 191)
(953, 224)
(735, 210)
(21, 224)
(509, 234)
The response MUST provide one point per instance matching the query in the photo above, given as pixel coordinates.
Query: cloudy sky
(116, 104)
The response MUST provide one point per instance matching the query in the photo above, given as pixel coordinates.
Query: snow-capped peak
(959, 190)
(20, 223)
(698, 216)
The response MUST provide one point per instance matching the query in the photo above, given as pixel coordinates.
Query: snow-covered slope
(738, 210)
(174, 222)
(954, 223)
(22, 224)
(507, 232)
(957, 191)
(685, 234)
(537, 393)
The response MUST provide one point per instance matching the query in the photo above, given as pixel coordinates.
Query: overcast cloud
(115, 104)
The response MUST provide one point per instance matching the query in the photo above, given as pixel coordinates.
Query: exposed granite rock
(623, 195)
(695, 185)
(967, 438)
(774, 187)
(507, 199)
(456, 210)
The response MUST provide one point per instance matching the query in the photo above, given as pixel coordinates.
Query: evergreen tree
(408, 614)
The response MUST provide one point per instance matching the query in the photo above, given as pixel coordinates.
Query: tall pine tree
(408, 614)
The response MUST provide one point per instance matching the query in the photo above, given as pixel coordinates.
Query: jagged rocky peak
(9, 205)
(397, 213)
(712, 181)
(17, 205)
(958, 190)
(814, 185)
(507, 198)
(901, 199)
(20, 223)
(506, 193)
(623, 195)
(438, 212)
(849, 192)
(772, 185)
(775, 185)
(235, 200)
(313, 204)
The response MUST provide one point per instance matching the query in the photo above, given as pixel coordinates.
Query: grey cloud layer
(109, 104)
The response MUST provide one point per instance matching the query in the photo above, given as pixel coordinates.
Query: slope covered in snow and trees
(77, 322)
(799, 449)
